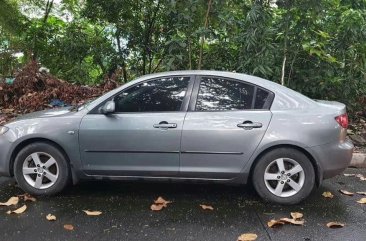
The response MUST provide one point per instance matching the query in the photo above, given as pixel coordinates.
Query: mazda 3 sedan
(186, 125)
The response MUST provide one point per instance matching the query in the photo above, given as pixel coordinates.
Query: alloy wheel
(40, 170)
(284, 177)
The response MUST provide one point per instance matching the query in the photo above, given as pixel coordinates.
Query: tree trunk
(203, 35)
(189, 54)
(47, 11)
(285, 48)
(123, 63)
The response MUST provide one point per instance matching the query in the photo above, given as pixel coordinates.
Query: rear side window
(219, 94)
(164, 94)
(261, 98)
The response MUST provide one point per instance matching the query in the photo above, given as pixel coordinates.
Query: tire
(296, 184)
(49, 177)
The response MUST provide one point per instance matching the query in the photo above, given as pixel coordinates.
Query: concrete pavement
(126, 214)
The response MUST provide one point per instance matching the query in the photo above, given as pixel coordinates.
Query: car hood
(58, 112)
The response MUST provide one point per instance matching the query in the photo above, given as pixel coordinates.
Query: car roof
(227, 74)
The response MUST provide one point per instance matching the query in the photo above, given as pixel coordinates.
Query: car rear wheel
(41, 169)
(284, 176)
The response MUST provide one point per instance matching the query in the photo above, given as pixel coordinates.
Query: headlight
(3, 130)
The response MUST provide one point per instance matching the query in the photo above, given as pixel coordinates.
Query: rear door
(225, 123)
(142, 137)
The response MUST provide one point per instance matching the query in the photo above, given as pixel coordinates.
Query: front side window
(219, 94)
(164, 94)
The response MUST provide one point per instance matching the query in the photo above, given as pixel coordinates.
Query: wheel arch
(29, 141)
(317, 168)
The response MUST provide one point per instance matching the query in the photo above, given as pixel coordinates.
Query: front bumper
(5, 148)
(333, 158)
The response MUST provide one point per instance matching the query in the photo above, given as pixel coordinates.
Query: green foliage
(317, 47)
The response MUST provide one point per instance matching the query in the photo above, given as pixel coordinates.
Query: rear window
(220, 94)
(261, 98)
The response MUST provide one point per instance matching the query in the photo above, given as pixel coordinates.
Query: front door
(224, 125)
(142, 137)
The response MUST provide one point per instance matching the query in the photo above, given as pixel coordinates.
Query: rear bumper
(332, 158)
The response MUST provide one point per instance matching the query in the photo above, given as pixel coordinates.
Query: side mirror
(108, 108)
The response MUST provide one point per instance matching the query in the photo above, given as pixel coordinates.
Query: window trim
(193, 101)
(183, 108)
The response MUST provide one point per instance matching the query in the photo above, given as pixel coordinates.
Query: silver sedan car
(185, 125)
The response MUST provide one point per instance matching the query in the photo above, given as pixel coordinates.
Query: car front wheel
(284, 176)
(41, 169)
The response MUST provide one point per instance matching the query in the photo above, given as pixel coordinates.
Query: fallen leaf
(335, 225)
(51, 217)
(92, 213)
(328, 195)
(27, 197)
(206, 207)
(362, 201)
(361, 193)
(159, 204)
(161, 200)
(292, 221)
(68, 227)
(156, 207)
(349, 175)
(247, 237)
(361, 177)
(346, 192)
(296, 215)
(11, 201)
(275, 223)
(18, 211)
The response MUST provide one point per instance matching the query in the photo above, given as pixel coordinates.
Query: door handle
(248, 125)
(165, 125)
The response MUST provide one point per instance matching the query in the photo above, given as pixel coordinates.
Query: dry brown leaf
(247, 237)
(292, 221)
(328, 195)
(296, 215)
(206, 207)
(156, 207)
(275, 223)
(161, 200)
(92, 213)
(361, 177)
(349, 175)
(361, 193)
(27, 197)
(345, 192)
(51, 217)
(11, 201)
(18, 211)
(68, 227)
(335, 225)
(362, 201)
(159, 204)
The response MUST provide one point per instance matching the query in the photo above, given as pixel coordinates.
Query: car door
(142, 137)
(225, 123)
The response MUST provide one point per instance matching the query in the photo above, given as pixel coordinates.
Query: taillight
(342, 120)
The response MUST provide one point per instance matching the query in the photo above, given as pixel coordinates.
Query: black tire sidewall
(56, 154)
(266, 159)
